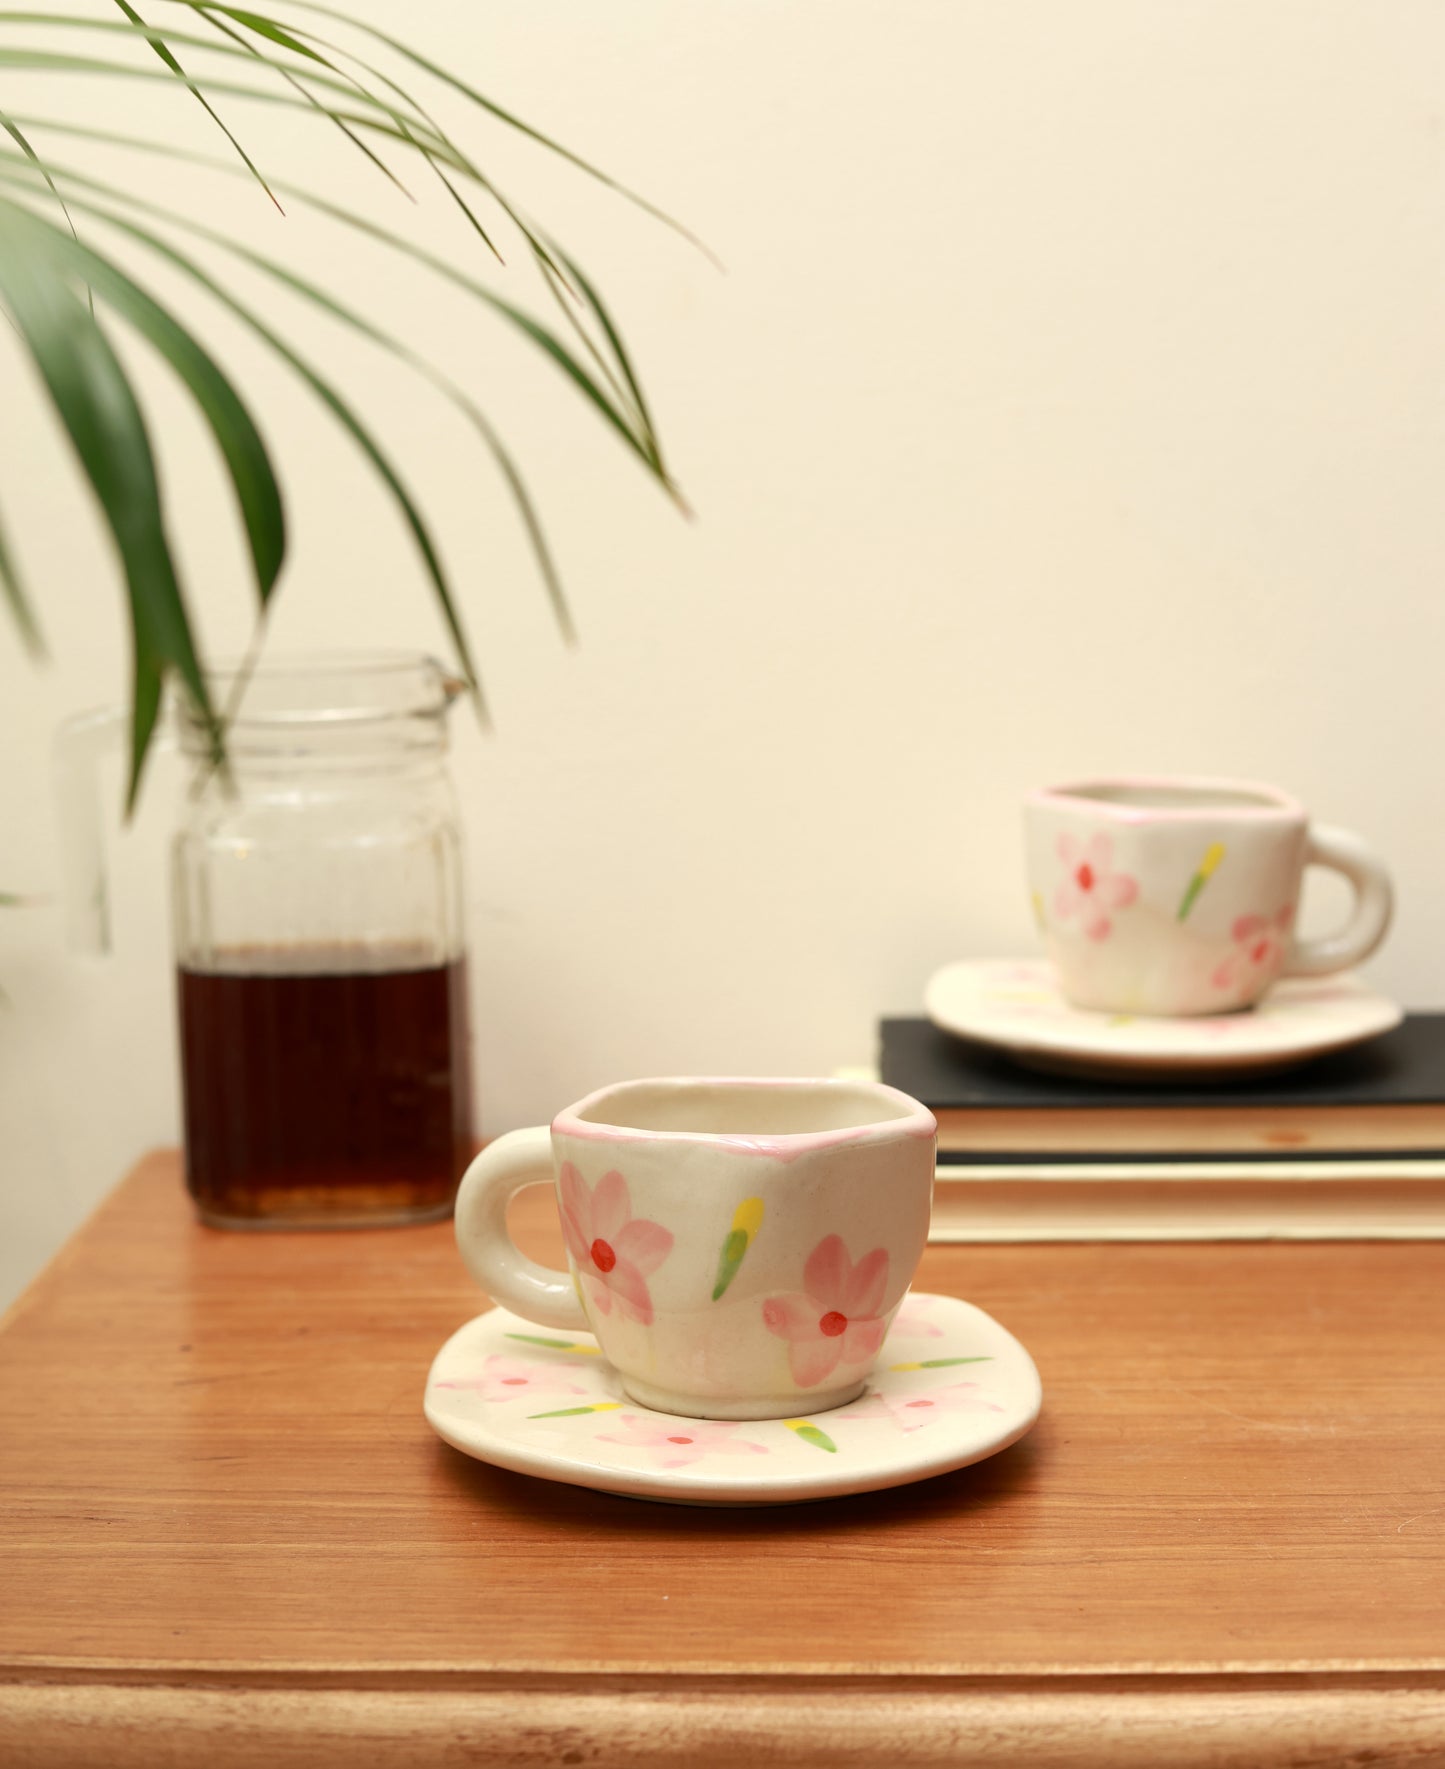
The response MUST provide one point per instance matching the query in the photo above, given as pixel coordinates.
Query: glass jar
(319, 940)
(318, 931)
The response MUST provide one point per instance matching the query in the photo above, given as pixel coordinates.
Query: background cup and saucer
(1167, 909)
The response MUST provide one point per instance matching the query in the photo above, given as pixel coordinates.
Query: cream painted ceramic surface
(1158, 895)
(1016, 1005)
(738, 1247)
(951, 1387)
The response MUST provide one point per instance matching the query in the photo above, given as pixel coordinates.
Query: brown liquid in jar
(324, 1087)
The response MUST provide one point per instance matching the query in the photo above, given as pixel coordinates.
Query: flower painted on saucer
(912, 1320)
(1259, 951)
(912, 1412)
(836, 1318)
(675, 1443)
(1091, 888)
(511, 1378)
(613, 1251)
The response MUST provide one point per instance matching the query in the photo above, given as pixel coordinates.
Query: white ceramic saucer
(1015, 1005)
(950, 1388)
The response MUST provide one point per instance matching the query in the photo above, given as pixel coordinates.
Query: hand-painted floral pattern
(613, 1251)
(912, 1322)
(911, 1412)
(600, 1438)
(1092, 888)
(676, 1442)
(1259, 949)
(837, 1318)
(513, 1378)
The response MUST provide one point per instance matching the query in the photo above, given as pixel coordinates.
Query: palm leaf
(523, 321)
(20, 608)
(639, 432)
(248, 464)
(381, 119)
(273, 32)
(404, 128)
(163, 50)
(162, 39)
(566, 297)
(614, 337)
(397, 47)
(88, 385)
(291, 38)
(619, 350)
(344, 415)
(17, 136)
(276, 34)
(294, 81)
(348, 316)
(94, 400)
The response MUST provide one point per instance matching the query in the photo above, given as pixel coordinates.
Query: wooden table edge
(1229, 1720)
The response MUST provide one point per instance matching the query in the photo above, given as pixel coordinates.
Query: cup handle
(538, 1293)
(1374, 904)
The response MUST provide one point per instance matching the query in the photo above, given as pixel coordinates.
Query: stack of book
(1351, 1146)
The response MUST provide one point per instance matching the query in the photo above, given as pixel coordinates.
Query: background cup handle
(1374, 904)
(536, 1292)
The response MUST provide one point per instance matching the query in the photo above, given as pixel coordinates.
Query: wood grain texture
(215, 1480)
(847, 1726)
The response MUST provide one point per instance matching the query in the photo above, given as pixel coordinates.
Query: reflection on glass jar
(319, 943)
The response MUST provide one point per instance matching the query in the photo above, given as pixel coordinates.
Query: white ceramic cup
(738, 1247)
(1163, 895)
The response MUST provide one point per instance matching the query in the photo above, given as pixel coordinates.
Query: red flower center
(920, 1403)
(1261, 952)
(832, 1324)
(1085, 877)
(514, 1381)
(679, 1440)
(602, 1255)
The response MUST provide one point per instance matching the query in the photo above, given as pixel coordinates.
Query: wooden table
(227, 1537)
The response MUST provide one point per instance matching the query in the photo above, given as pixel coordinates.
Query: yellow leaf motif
(749, 1216)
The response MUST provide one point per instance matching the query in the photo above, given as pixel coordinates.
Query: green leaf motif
(605, 1406)
(812, 1434)
(733, 1249)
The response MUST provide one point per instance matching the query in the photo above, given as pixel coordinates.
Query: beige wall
(1072, 399)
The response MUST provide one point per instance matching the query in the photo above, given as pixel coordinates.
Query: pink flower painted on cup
(1092, 888)
(677, 1442)
(512, 1378)
(1259, 948)
(614, 1251)
(911, 1412)
(836, 1319)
